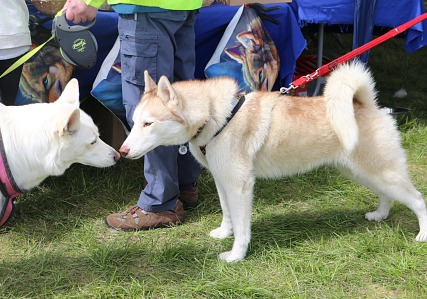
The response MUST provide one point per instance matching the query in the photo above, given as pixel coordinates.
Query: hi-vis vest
(166, 4)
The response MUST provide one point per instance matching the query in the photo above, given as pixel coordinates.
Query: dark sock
(187, 187)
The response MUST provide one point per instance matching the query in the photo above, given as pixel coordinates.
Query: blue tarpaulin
(364, 14)
(387, 14)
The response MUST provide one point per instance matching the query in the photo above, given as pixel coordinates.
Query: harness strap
(240, 100)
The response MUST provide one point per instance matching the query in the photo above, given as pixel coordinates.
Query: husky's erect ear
(149, 83)
(70, 124)
(166, 93)
(70, 94)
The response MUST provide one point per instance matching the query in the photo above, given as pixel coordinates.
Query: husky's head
(157, 120)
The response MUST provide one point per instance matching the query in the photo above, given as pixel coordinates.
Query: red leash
(327, 68)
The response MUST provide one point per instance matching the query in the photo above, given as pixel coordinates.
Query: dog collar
(8, 187)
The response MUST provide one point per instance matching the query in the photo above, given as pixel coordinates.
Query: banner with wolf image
(45, 74)
(246, 52)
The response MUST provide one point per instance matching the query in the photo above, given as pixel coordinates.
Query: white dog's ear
(149, 83)
(70, 94)
(70, 124)
(166, 93)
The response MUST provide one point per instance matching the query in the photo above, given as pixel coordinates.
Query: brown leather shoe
(190, 198)
(137, 219)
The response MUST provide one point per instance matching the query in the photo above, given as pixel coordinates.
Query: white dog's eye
(147, 124)
(93, 142)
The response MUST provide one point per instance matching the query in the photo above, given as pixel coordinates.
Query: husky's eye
(45, 82)
(147, 124)
(93, 142)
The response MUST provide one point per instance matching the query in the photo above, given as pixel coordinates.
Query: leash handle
(61, 21)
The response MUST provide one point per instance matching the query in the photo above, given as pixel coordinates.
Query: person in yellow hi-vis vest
(158, 36)
(15, 41)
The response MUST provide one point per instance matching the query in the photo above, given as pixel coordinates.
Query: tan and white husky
(273, 136)
(44, 139)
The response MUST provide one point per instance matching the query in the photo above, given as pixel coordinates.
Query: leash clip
(285, 90)
(311, 77)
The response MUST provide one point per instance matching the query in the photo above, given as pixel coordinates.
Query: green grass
(309, 236)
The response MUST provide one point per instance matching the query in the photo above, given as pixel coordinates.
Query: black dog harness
(240, 101)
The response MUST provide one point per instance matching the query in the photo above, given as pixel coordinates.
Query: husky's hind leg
(405, 193)
(413, 199)
(382, 211)
(410, 197)
(394, 186)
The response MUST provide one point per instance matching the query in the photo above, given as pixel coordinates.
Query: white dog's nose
(116, 156)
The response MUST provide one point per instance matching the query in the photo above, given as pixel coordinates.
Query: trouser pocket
(138, 55)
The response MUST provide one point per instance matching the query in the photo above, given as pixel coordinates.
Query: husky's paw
(375, 216)
(229, 256)
(422, 236)
(221, 233)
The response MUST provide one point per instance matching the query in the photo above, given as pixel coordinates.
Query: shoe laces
(133, 209)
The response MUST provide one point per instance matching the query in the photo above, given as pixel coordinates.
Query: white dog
(273, 135)
(41, 140)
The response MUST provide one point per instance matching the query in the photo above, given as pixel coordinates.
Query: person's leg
(147, 43)
(184, 67)
(185, 52)
(161, 164)
(161, 174)
(146, 46)
(9, 84)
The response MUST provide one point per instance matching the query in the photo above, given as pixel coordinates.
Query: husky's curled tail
(349, 84)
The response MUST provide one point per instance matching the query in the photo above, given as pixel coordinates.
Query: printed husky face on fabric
(44, 77)
(258, 55)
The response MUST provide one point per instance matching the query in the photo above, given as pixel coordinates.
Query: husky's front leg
(239, 202)
(226, 228)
